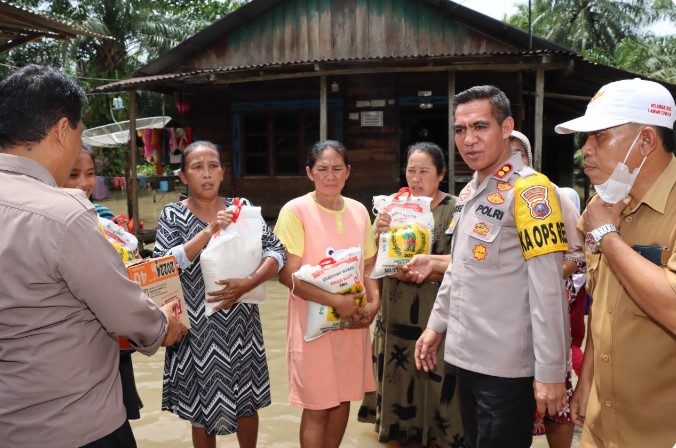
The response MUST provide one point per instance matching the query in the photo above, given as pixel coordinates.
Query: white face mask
(619, 184)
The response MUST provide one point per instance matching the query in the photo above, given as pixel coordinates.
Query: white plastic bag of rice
(411, 230)
(234, 252)
(338, 274)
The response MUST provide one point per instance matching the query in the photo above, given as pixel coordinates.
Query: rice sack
(411, 230)
(124, 242)
(338, 274)
(234, 252)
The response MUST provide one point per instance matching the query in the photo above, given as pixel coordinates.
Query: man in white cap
(626, 394)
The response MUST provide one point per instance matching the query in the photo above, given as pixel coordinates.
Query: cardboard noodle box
(159, 279)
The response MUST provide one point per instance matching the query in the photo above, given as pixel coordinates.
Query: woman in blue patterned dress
(217, 377)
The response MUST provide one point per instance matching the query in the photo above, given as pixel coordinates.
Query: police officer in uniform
(501, 303)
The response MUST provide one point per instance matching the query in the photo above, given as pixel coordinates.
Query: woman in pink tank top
(327, 373)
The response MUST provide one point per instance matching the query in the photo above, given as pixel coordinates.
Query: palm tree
(583, 25)
(651, 56)
(612, 32)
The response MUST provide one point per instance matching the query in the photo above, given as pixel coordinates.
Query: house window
(276, 143)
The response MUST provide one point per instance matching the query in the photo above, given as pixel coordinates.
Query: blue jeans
(497, 412)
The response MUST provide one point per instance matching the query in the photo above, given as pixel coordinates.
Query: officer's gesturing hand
(426, 350)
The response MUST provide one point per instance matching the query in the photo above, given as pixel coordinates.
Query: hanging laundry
(149, 151)
(119, 182)
(164, 147)
(183, 137)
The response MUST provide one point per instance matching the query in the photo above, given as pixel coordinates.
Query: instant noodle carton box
(159, 279)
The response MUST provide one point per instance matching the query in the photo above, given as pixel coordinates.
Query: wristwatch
(593, 239)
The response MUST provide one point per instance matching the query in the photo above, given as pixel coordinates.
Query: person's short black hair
(319, 147)
(500, 106)
(668, 138)
(188, 149)
(431, 149)
(33, 99)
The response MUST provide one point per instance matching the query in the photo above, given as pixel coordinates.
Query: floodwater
(280, 421)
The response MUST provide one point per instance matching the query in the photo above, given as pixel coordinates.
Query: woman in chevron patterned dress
(217, 377)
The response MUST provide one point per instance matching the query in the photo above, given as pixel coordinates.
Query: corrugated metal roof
(19, 26)
(445, 60)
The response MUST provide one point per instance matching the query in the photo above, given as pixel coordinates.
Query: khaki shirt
(64, 299)
(633, 398)
(504, 309)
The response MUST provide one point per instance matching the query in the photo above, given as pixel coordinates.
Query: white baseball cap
(627, 101)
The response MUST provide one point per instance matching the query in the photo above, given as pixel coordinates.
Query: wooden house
(274, 76)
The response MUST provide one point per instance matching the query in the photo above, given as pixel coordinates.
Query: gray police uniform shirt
(502, 303)
(64, 299)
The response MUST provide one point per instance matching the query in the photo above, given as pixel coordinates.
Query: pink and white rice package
(338, 274)
(411, 230)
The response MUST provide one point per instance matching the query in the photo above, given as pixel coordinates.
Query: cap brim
(588, 124)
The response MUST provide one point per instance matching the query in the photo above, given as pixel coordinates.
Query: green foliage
(610, 32)
(112, 161)
(141, 30)
(147, 169)
(651, 56)
(208, 11)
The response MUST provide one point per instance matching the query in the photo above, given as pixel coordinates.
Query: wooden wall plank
(290, 24)
(437, 24)
(324, 29)
(313, 29)
(278, 33)
(338, 40)
(412, 48)
(302, 35)
(423, 31)
(267, 37)
(398, 22)
(362, 28)
(375, 47)
(233, 43)
(449, 37)
(256, 46)
(350, 29)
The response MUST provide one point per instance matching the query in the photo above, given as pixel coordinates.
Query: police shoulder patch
(495, 198)
(504, 186)
(538, 217)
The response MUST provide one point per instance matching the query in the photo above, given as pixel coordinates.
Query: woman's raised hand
(383, 223)
(223, 220)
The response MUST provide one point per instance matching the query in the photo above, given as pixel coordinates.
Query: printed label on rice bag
(406, 241)
(332, 315)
